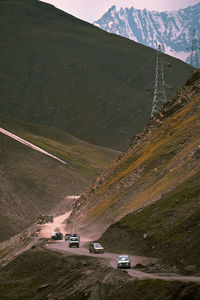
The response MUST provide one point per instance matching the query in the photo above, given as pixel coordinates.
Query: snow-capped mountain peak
(172, 29)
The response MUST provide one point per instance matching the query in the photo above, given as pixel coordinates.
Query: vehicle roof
(94, 243)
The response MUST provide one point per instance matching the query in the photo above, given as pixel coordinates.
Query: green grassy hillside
(167, 229)
(62, 72)
(32, 183)
(163, 158)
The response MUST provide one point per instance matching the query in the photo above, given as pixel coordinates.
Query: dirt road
(48, 228)
(108, 258)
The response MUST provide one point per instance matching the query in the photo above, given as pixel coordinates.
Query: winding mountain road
(110, 258)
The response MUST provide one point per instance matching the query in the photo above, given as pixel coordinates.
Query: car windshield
(123, 258)
(74, 239)
(97, 245)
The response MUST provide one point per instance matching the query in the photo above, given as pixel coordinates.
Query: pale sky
(92, 10)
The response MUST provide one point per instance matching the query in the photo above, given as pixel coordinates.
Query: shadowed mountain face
(32, 183)
(62, 72)
(163, 157)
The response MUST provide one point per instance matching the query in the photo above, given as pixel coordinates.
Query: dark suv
(67, 236)
(56, 236)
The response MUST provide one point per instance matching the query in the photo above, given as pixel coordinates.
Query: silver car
(123, 261)
(74, 241)
(96, 248)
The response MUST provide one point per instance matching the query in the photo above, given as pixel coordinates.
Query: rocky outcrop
(172, 29)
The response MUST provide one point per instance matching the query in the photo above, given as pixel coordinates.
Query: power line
(123, 129)
(123, 107)
(160, 87)
(194, 61)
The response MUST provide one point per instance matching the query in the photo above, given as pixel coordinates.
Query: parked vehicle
(96, 248)
(67, 236)
(56, 236)
(74, 241)
(123, 261)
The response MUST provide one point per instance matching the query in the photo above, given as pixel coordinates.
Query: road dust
(48, 228)
(108, 258)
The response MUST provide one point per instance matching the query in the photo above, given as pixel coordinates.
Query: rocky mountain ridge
(172, 29)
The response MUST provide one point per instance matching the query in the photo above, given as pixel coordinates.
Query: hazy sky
(91, 10)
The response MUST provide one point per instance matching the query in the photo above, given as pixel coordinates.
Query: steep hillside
(167, 229)
(162, 158)
(32, 183)
(172, 29)
(81, 157)
(62, 72)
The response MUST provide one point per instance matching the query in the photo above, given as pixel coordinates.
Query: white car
(53, 235)
(123, 261)
(74, 241)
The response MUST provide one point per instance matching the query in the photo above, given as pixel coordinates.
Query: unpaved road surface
(48, 228)
(108, 258)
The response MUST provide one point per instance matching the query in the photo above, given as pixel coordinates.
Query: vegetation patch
(41, 274)
(167, 229)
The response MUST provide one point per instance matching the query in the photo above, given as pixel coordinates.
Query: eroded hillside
(33, 183)
(160, 159)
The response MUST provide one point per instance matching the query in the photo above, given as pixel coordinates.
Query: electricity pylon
(159, 86)
(193, 56)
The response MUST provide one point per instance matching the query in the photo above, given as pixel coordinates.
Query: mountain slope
(160, 159)
(167, 229)
(32, 183)
(81, 277)
(65, 73)
(173, 29)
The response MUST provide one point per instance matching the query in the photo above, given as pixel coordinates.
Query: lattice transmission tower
(160, 87)
(194, 61)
